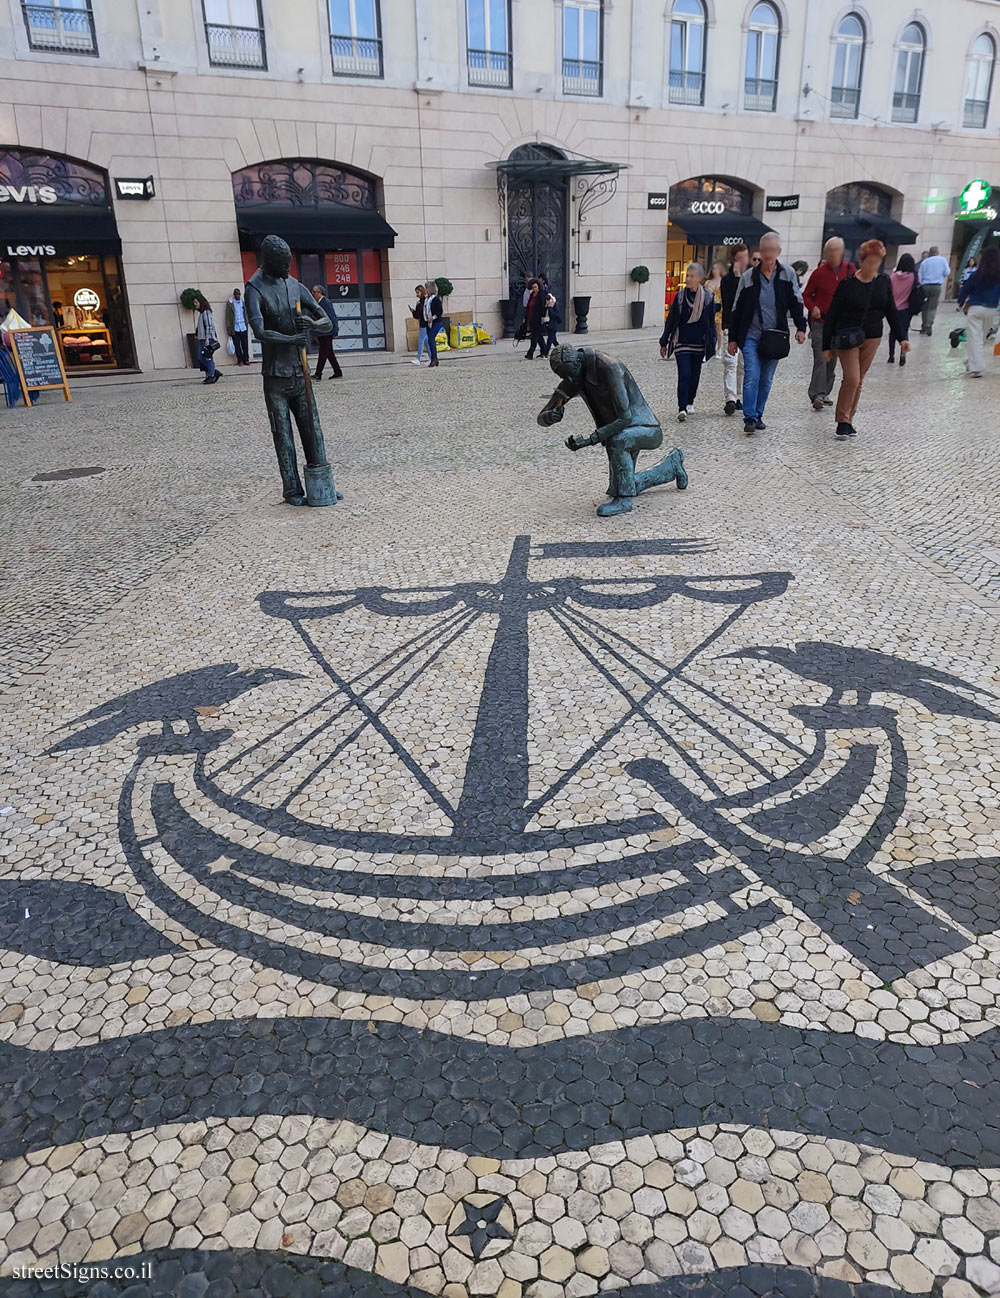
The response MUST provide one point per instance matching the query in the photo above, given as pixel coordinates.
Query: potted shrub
(639, 275)
(188, 299)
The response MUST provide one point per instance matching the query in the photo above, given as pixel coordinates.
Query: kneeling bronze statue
(625, 423)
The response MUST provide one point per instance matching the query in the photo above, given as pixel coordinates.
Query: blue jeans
(758, 375)
(206, 362)
(432, 332)
(423, 344)
(688, 377)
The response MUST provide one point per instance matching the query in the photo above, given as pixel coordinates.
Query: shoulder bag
(773, 344)
(847, 339)
(918, 298)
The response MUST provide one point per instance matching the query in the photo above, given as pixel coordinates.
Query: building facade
(147, 145)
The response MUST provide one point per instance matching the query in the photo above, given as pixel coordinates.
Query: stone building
(146, 146)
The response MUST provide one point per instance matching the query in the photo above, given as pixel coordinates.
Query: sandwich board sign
(39, 361)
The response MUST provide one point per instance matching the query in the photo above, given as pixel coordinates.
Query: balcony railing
(69, 31)
(844, 101)
(687, 87)
(905, 107)
(582, 77)
(760, 96)
(236, 47)
(976, 112)
(356, 56)
(490, 68)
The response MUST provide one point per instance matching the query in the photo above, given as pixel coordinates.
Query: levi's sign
(28, 194)
(782, 203)
(31, 250)
(126, 188)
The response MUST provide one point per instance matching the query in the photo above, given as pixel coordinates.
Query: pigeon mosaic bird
(173, 699)
(842, 668)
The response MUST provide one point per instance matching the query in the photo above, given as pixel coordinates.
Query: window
(234, 31)
(687, 53)
(979, 82)
(909, 74)
(356, 38)
(489, 43)
(582, 48)
(63, 26)
(848, 57)
(760, 87)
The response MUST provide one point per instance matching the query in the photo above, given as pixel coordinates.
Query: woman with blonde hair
(714, 286)
(689, 334)
(852, 329)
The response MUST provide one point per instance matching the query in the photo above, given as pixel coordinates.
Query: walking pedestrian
(236, 327)
(932, 275)
(553, 321)
(714, 286)
(208, 340)
(853, 329)
(417, 311)
(980, 297)
(534, 316)
(766, 296)
(325, 341)
(689, 335)
(967, 273)
(817, 296)
(732, 366)
(908, 297)
(433, 311)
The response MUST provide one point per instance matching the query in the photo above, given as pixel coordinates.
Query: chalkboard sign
(38, 360)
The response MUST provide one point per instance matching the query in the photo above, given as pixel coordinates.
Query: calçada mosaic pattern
(539, 936)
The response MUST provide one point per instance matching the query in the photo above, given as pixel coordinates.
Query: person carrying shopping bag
(208, 340)
(689, 334)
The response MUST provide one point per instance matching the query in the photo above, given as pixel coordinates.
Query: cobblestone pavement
(453, 893)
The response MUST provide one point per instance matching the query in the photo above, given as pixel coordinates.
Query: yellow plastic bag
(462, 336)
(441, 341)
(481, 335)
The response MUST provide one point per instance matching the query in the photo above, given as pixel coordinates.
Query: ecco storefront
(708, 216)
(60, 257)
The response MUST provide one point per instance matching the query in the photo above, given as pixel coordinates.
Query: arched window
(760, 86)
(909, 74)
(979, 82)
(848, 58)
(687, 52)
(583, 47)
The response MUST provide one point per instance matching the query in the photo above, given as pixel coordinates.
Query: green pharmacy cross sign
(973, 199)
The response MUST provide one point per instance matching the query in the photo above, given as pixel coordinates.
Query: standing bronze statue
(625, 423)
(280, 310)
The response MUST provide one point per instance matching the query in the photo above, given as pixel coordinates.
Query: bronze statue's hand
(577, 443)
(300, 340)
(549, 417)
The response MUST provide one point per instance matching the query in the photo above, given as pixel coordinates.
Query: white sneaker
(681, 416)
(690, 410)
(414, 361)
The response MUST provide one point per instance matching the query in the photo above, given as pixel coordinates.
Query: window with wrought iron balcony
(583, 62)
(234, 34)
(489, 51)
(687, 53)
(760, 81)
(356, 38)
(62, 26)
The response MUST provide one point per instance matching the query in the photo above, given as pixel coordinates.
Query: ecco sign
(656, 202)
(28, 194)
(708, 207)
(731, 240)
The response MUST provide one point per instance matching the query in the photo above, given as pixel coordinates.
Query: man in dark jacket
(732, 366)
(766, 296)
(326, 352)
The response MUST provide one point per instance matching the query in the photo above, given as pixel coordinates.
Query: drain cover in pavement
(61, 475)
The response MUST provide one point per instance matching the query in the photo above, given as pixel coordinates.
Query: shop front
(329, 217)
(977, 223)
(60, 257)
(708, 216)
(859, 212)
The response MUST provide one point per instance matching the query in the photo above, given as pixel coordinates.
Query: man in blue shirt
(326, 352)
(933, 273)
(236, 327)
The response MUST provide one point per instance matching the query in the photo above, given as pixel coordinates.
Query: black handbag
(918, 298)
(210, 346)
(774, 345)
(848, 339)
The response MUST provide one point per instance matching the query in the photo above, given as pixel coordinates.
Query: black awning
(728, 227)
(555, 168)
(856, 229)
(315, 228)
(69, 231)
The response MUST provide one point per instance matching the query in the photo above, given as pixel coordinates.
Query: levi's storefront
(329, 218)
(708, 215)
(60, 257)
